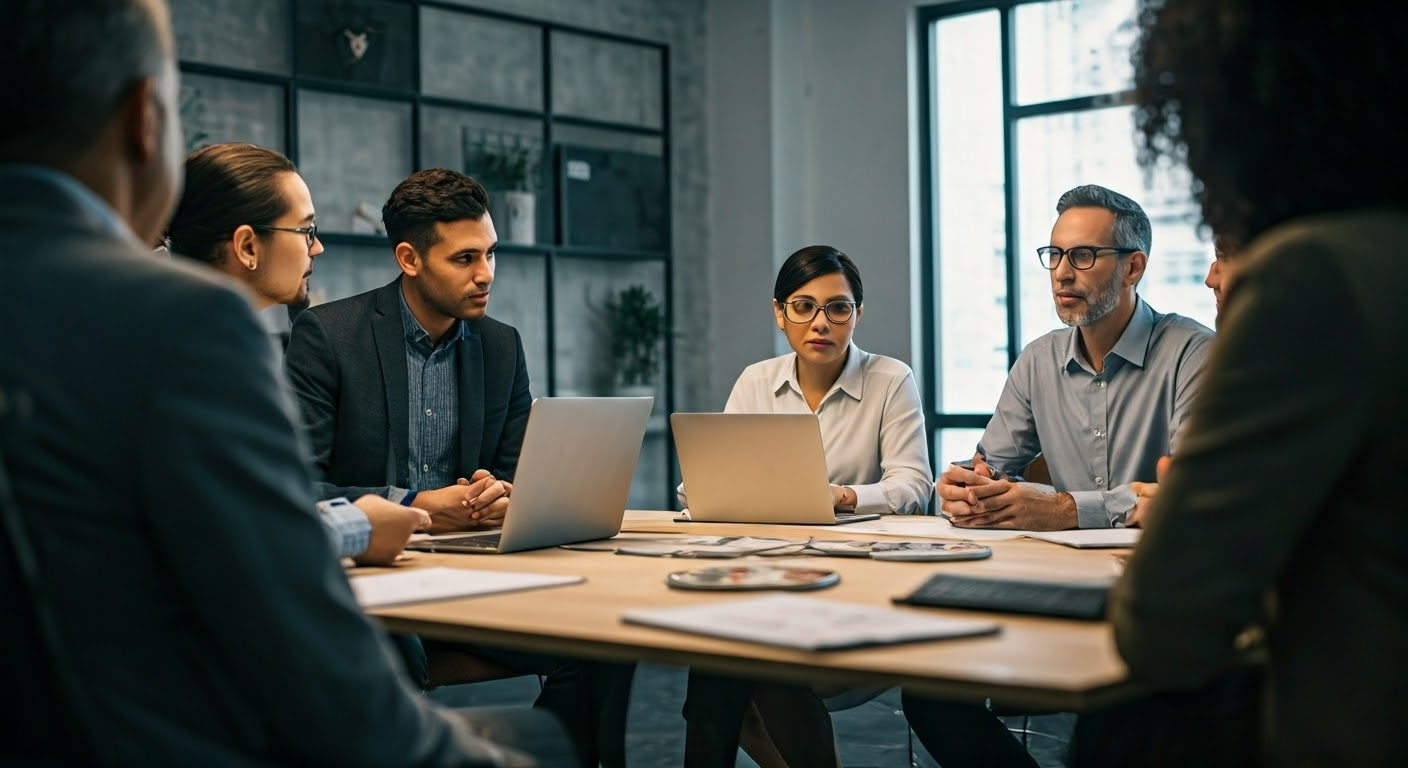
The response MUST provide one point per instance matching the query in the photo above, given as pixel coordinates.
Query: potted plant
(507, 165)
(636, 322)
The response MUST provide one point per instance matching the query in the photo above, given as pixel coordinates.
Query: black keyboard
(456, 543)
(1042, 598)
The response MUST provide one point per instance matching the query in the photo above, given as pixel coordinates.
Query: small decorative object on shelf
(367, 220)
(507, 165)
(354, 33)
(357, 43)
(637, 325)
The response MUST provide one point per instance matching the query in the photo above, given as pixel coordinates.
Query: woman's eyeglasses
(805, 310)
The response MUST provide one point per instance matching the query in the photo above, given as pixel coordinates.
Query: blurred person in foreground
(187, 607)
(1274, 509)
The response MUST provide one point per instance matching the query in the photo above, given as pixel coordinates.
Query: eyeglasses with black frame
(1080, 256)
(805, 310)
(310, 232)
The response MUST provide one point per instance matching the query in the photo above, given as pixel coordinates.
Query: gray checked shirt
(1100, 432)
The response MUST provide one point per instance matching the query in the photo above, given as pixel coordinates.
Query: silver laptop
(573, 478)
(755, 468)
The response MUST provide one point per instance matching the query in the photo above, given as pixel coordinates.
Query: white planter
(521, 220)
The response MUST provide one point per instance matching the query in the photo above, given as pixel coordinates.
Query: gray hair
(1132, 229)
(71, 63)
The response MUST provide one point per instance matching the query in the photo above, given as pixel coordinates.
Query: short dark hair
(1272, 106)
(1132, 228)
(72, 62)
(427, 197)
(227, 186)
(812, 262)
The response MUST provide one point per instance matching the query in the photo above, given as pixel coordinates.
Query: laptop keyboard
(1075, 601)
(483, 541)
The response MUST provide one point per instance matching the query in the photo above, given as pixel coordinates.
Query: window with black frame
(1022, 101)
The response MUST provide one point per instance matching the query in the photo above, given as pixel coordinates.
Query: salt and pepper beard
(1099, 304)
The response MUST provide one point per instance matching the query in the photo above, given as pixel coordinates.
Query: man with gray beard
(1101, 401)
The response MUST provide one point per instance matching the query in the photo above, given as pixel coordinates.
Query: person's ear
(244, 246)
(407, 259)
(143, 116)
(777, 313)
(860, 310)
(1138, 261)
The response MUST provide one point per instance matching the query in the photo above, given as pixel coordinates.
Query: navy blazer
(346, 361)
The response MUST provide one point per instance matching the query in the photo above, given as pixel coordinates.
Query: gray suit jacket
(161, 477)
(346, 361)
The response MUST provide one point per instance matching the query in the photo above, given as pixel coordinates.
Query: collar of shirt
(1132, 346)
(94, 208)
(416, 334)
(851, 381)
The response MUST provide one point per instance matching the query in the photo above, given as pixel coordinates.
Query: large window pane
(1073, 48)
(1058, 152)
(955, 445)
(970, 213)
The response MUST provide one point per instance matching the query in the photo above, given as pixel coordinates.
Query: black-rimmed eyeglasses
(805, 310)
(310, 232)
(1081, 256)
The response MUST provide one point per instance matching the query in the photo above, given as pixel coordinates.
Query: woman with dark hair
(246, 211)
(1277, 509)
(877, 457)
(872, 424)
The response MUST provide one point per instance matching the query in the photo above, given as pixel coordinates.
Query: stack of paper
(426, 584)
(809, 623)
(1089, 538)
(923, 527)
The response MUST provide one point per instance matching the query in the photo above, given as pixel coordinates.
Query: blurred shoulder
(1360, 239)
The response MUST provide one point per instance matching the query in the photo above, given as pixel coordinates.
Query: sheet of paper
(809, 623)
(703, 546)
(919, 526)
(1090, 538)
(421, 585)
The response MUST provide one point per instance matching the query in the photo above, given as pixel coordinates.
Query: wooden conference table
(1038, 663)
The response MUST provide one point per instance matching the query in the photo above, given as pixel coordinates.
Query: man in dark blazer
(175, 599)
(410, 391)
(352, 363)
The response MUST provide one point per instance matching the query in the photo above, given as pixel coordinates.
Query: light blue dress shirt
(347, 525)
(1100, 431)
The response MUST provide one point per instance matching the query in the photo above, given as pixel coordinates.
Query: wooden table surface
(1040, 663)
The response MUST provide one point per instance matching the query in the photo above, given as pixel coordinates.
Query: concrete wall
(832, 151)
